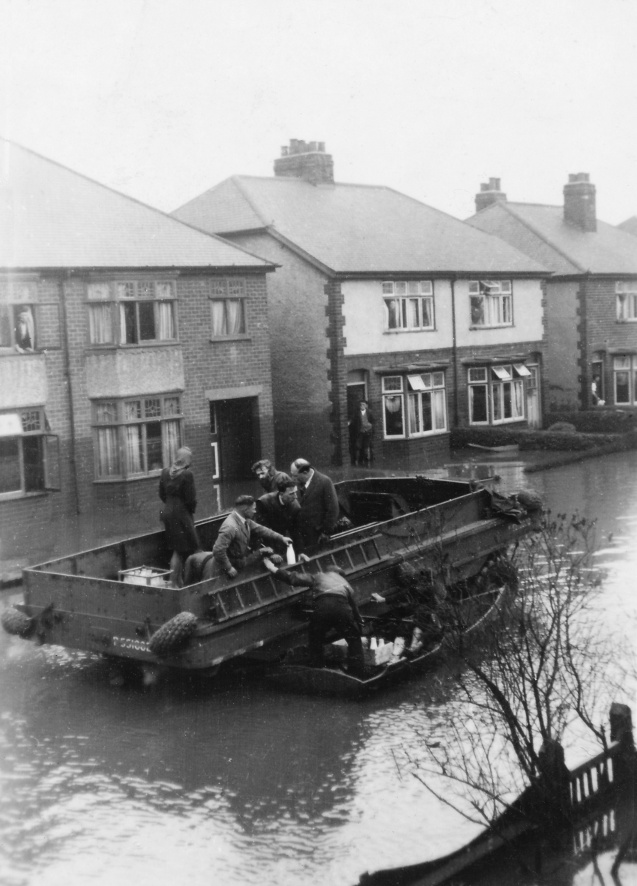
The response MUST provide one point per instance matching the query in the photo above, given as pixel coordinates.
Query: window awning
(416, 383)
(10, 425)
(521, 370)
(501, 373)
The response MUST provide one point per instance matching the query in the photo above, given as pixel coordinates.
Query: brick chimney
(490, 193)
(579, 202)
(305, 160)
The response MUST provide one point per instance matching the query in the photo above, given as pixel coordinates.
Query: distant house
(381, 297)
(591, 296)
(123, 334)
(629, 225)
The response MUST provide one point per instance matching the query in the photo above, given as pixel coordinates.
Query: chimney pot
(307, 161)
(489, 193)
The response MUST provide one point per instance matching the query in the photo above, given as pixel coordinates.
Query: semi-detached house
(379, 296)
(124, 333)
(591, 296)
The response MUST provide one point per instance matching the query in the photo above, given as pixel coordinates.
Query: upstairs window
(626, 300)
(29, 453)
(227, 307)
(17, 328)
(491, 303)
(409, 304)
(136, 437)
(131, 312)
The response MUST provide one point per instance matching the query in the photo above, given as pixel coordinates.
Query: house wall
(600, 331)
(298, 309)
(68, 374)
(563, 350)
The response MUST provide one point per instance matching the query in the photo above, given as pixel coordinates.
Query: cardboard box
(151, 576)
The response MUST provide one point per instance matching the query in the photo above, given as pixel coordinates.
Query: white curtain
(413, 416)
(107, 453)
(518, 402)
(166, 323)
(235, 316)
(438, 410)
(134, 449)
(411, 307)
(426, 312)
(100, 322)
(171, 441)
(218, 317)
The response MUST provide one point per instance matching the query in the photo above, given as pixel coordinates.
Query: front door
(234, 438)
(533, 409)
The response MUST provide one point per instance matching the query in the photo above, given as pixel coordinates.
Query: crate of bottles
(151, 576)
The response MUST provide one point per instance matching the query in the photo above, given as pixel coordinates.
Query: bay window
(409, 304)
(426, 403)
(29, 453)
(625, 379)
(424, 395)
(496, 393)
(131, 312)
(137, 436)
(491, 303)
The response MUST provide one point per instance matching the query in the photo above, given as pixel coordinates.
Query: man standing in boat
(319, 503)
(334, 610)
(232, 548)
(267, 474)
(280, 510)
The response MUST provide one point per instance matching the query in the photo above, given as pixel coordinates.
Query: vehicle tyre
(173, 635)
(17, 623)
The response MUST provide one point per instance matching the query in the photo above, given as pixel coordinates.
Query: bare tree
(543, 668)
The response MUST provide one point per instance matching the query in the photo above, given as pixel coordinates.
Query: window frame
(431, 386)
(626, 301)
(115, 449)
(117, 308)
(228, 290)
(631, 370)
(499, 383)
(396, 393)
(498, 300)
(403, 292)
(48, 452)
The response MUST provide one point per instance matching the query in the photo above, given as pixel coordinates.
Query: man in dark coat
(362, 429)
(334, 610)
(177, 492)
(319, 503)
(280, 510)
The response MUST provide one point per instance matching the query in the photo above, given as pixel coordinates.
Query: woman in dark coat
(177, 491)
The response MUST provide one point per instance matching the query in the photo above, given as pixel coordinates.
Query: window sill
(18, 496)
(124, 347)
(426, 434)
(627, 320)
(218, 338)
(403, 331)
(474, 328)
(106, 481)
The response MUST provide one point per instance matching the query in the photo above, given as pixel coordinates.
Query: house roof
(541, 231)
(51, 217)
(354, 228)
(629, 225)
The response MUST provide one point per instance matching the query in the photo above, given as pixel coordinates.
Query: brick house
(123, 334)
(591, 296)
(373, 298)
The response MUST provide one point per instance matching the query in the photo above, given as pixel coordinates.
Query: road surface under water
(236, 784)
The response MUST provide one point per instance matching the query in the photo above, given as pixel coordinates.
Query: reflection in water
(235, 783)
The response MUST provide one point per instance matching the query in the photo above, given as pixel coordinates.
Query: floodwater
(236, 784)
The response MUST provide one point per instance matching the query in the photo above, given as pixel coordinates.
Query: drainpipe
(69, 390)
(454, 349)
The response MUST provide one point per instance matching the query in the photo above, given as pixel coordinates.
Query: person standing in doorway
(177, 492)
(362, 431)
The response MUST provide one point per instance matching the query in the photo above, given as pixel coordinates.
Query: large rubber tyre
(173, 635)
(17, 623)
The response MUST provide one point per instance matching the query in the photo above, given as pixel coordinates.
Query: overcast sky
(162, 99)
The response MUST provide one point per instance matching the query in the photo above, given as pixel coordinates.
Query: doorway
(356, 391)
(234, 438)
(533, 405)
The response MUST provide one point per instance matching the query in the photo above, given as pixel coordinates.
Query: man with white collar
(232, 548)
(319, 503)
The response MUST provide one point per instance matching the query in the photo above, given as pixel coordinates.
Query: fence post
(624, 778)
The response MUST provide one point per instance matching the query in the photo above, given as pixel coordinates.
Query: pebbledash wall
(67, 374)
